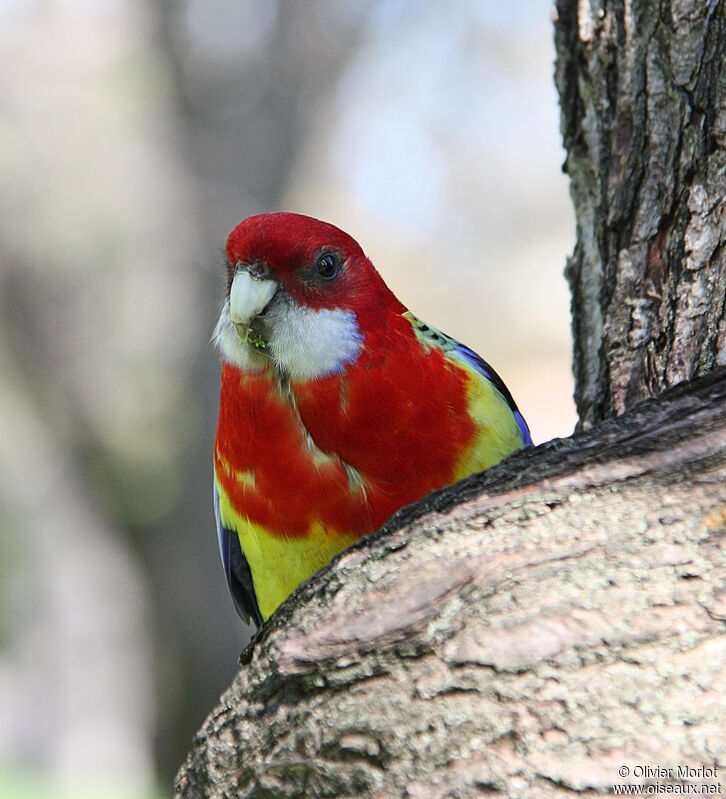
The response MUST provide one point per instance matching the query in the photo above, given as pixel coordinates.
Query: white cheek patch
(233, 350)
(308, 344)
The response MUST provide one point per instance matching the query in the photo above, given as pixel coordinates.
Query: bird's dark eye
(328, 265)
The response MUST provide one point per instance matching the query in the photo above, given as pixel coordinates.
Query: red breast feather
(397, 416)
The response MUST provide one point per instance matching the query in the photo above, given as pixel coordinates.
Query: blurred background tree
(134, 136)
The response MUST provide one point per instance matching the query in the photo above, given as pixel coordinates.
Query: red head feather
(289, 245)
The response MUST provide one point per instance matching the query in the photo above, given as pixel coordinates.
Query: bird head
(301, 295)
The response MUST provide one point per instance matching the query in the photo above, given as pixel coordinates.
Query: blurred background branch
(134, 136)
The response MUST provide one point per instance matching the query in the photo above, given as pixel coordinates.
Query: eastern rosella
(338, 406)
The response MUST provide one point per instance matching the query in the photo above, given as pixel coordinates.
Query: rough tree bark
(643, 93)
(531, 630)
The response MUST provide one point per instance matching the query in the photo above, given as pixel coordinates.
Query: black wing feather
(236, 570)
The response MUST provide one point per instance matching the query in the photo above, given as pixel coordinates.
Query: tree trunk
(643, 95)
(544, 627)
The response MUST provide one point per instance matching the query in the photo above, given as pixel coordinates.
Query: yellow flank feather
(498, 433)
(279, 564)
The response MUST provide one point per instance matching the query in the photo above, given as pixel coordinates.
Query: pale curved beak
(248, 297)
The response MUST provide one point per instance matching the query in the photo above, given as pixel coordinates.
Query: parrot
(337, 406)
